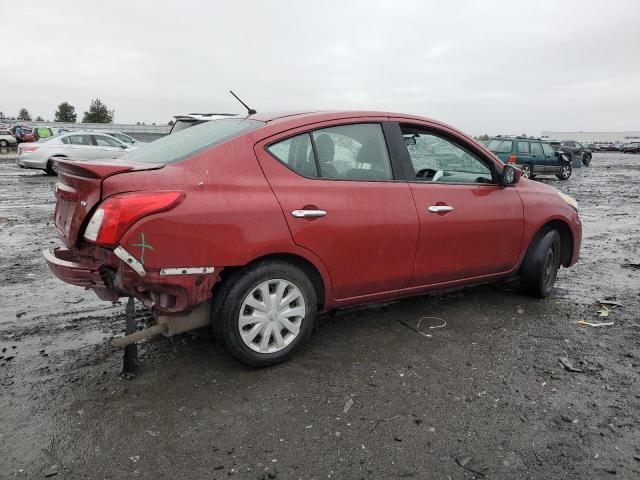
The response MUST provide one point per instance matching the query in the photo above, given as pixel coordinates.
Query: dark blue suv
(532, 155)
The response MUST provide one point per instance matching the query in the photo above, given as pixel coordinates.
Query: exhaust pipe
(169, 325)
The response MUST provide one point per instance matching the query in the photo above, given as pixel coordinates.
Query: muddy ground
(367, 398)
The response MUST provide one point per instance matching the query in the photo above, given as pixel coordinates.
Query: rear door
(345, 202)
(470, 225)
(524, 154)
(80, 147)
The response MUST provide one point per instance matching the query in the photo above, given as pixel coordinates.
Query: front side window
(548, 150)
(437, 159)
(536, 149)
(104, 141)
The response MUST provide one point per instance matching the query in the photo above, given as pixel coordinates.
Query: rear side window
(500, 146)
(80, 140)
(185, 143)
(523, 147)
(345, 152)
(297, 153)
(352, 152)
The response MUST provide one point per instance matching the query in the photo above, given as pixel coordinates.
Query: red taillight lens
(512, 159)
(29, 149)
(116, 214)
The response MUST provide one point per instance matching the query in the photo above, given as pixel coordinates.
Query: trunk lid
(79, 190)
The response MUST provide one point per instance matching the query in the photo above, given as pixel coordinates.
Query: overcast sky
(482, 66)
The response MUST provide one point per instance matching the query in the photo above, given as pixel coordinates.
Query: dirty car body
(273, 217)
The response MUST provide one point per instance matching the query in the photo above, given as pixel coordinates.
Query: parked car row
(77, 146)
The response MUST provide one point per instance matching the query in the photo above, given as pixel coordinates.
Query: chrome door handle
(308, 213)
(440, 208)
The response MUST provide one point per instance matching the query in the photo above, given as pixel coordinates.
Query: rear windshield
(500, 146)
(185, 143)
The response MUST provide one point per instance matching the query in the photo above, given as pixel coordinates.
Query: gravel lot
(367, 398)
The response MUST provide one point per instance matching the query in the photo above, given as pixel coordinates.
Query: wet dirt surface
(367, 398)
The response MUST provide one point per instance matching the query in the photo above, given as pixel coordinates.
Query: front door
(344, 202)
(470, 225)
(538, 157)
(554, 160)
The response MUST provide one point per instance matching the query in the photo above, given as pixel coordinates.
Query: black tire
(586, 159)
(4, 143)
(541, 263)
(51, 169)
(527, 171)
(565, 173)
(236, 289)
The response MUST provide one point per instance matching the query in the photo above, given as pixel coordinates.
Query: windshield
(183, 144)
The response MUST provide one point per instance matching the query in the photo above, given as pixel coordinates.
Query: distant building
(594, 137)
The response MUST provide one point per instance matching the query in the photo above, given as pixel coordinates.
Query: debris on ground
(593, 324)
(603, 312)
(347, 405)
(566, 363)
(465, 462)
(442, 323)
(610, 303)
(635, 266)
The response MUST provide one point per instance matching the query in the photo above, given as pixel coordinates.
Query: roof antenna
(250, 111)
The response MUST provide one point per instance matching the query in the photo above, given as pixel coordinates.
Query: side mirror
(510, 175)
(123, 146)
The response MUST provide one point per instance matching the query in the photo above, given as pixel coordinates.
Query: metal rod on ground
(130, 359)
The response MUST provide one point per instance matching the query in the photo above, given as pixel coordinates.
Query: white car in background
(123, 137)
(80, 146)
(7, 139)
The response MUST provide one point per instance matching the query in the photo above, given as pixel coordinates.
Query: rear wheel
(266, 315)
(51, 168)
(586, 159)
(541, 263)
(527, 171)
(565, 172)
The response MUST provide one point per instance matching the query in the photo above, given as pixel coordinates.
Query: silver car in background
(123, 137)
(79, 145)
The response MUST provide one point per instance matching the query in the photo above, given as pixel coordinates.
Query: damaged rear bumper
(111, 276)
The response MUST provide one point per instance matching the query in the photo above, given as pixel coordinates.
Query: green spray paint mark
(143, 246)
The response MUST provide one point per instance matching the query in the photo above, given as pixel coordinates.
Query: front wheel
(586, 159)
(4, 143)
(527, 171)
(565, 172)
(267, 314)
(541, 264)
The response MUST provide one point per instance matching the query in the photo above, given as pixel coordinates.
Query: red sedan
(253, 225)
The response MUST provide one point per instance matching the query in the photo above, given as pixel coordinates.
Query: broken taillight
(117, 213)
(513, 159)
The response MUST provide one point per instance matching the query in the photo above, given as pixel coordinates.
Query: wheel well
(303, 264)
(566, 239)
